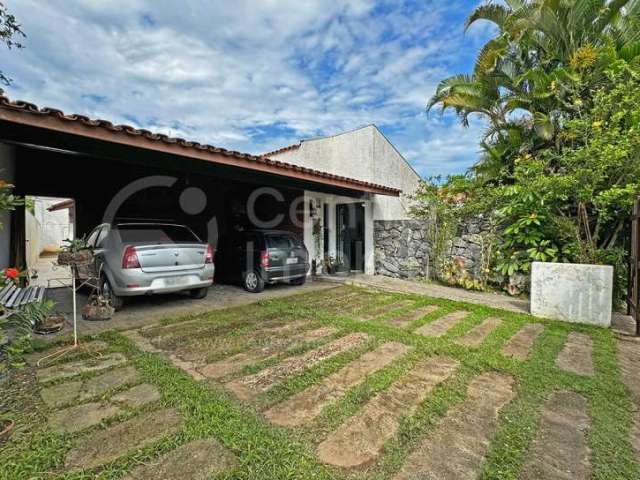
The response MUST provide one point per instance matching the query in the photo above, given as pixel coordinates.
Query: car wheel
(252, 282)
(107, 292)
(198, 293)
(299, 281)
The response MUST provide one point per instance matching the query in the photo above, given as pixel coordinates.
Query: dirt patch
(197, 460)
(79, 417)
(71, 369)
(80, 391)
(442, 325)
(361, 438)
(107, 445)
(407, 318)
(475, 336)
(248, 387)
(519, 346)
(382, 309)
(236, 363)
(576, 355)
(457, 447)
(306, 405)
(137, 396)
(560, 450)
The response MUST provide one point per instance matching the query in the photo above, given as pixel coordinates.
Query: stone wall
(401, 250)
(467, 246)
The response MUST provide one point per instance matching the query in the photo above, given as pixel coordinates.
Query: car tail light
(130, 258)
(208, 258)
(264, 258)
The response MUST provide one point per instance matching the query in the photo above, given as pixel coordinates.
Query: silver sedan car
(150, 258)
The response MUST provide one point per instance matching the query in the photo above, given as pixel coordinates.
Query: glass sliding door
(350, 236)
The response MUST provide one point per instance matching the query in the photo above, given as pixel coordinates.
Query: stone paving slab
(137, 396)
(248, 387)
(308, 404)
(457, 447)
(196, 460)
(520, 345)
(442, 325)
(82, 390)
(383, 309)
(71, 369)
(629, 363)
(560, 450)
(406, 319)
(475, 336)
(235, 363)
(360, 439)
(107, 445)
(576, 354)
(79, 417)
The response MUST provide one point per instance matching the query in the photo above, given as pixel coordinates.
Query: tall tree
(10, 31)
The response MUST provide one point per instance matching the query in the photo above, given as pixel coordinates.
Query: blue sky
(254, 75)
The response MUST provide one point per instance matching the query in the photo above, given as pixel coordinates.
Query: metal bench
(14, 297)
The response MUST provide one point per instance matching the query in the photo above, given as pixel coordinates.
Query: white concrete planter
(572, 292)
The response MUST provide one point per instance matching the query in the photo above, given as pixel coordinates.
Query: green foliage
(9, 32)
(560, 166)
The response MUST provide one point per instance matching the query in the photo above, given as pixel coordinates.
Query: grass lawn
(265, 451)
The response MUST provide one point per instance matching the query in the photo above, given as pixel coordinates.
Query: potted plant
(76, 252)
(329, 265)
(97, 308)
(40, 316)
(12, 275)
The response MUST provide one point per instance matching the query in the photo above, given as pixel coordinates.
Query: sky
(254, 75)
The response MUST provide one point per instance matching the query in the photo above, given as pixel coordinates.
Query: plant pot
(97, 312)
(53, 324)
(83, 257)
(6, 427)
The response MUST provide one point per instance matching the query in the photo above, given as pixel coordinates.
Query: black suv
(259, 257)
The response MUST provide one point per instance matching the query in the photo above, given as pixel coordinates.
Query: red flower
(11, 273)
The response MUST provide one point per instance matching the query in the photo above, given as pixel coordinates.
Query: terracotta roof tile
(31, 109)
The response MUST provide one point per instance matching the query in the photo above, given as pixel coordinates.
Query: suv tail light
(264, 258)
(208, 258)
(130, 258)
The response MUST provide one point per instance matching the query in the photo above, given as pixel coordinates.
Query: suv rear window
(156, 234)
(280, 241)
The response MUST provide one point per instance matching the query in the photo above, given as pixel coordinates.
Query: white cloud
(247, 75)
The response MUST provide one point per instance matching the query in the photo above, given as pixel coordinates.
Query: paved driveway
(141, 311)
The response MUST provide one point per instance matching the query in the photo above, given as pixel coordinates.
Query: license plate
(174, 281)
(292, 260)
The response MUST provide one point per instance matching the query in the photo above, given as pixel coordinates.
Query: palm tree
(541, 56)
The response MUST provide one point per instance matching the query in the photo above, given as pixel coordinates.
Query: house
(338, 193)
(376, 233)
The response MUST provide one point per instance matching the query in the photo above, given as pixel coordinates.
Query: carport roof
(24, 113)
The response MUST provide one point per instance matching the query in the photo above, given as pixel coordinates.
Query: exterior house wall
(367, 155)
(7, 173)
(364, 154)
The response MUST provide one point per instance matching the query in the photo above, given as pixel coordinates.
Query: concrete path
(495, 300)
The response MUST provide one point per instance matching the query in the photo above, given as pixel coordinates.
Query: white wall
(363, 154)
(7, 173)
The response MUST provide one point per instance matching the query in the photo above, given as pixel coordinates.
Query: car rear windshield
(156, 234)
(282, 241)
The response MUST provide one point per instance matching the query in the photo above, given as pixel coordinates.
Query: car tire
(116, 301)
(252, 282)
(299, 281)
(199, 293)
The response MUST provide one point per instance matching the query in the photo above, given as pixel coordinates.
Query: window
(280, 241)
(93, 236)
(140, 233)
